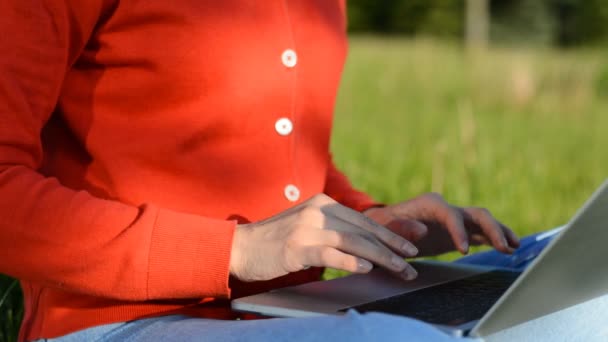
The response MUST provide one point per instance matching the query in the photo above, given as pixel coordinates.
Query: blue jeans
(352, 326)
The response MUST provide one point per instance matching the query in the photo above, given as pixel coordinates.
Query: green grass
(520, 132)
(417, 116)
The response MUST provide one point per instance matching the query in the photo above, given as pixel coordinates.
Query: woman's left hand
(436, 227)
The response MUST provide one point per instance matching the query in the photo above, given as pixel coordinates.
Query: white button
(289, 58)
(283, 126)
(292, 193)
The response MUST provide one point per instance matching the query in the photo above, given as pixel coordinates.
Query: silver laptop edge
(559, 277)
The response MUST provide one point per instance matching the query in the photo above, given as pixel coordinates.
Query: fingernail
(409, 273)
(398, 262)
(409, 249)
(364, 266)
(465, 247)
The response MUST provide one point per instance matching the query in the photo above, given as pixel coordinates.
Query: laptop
(466, 300)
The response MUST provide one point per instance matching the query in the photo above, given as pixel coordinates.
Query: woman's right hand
(319, 232)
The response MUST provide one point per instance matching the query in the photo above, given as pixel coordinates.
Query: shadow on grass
(11, 308)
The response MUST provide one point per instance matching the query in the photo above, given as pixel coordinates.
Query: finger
(411, 230)
(455, 225)
(366, 247)
(330, 257)
(512, 238)
(479, 239)
(449, 217)
(488, 226)
(385, 235)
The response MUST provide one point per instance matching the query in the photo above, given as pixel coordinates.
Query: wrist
(236, 252)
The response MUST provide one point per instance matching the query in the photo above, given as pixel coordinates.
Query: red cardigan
(134, 135)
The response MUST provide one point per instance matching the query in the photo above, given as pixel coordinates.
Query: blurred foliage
(581, 21)
(444, 19)
(560, 22)
(435, 17)
(11, 309)
(522, 21)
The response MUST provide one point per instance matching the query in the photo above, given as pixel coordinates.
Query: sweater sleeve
(338, 187)
(69, 239)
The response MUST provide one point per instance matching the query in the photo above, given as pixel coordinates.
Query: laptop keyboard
(451, 303)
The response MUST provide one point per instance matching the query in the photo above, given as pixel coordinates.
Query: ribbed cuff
(189, 256)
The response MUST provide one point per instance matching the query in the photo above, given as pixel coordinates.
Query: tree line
(552, 22)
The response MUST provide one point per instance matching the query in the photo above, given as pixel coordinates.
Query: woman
(158, 157)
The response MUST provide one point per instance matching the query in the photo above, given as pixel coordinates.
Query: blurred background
(499, 104)
(491, 103)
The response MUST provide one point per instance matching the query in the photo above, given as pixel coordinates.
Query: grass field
(521, 132)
